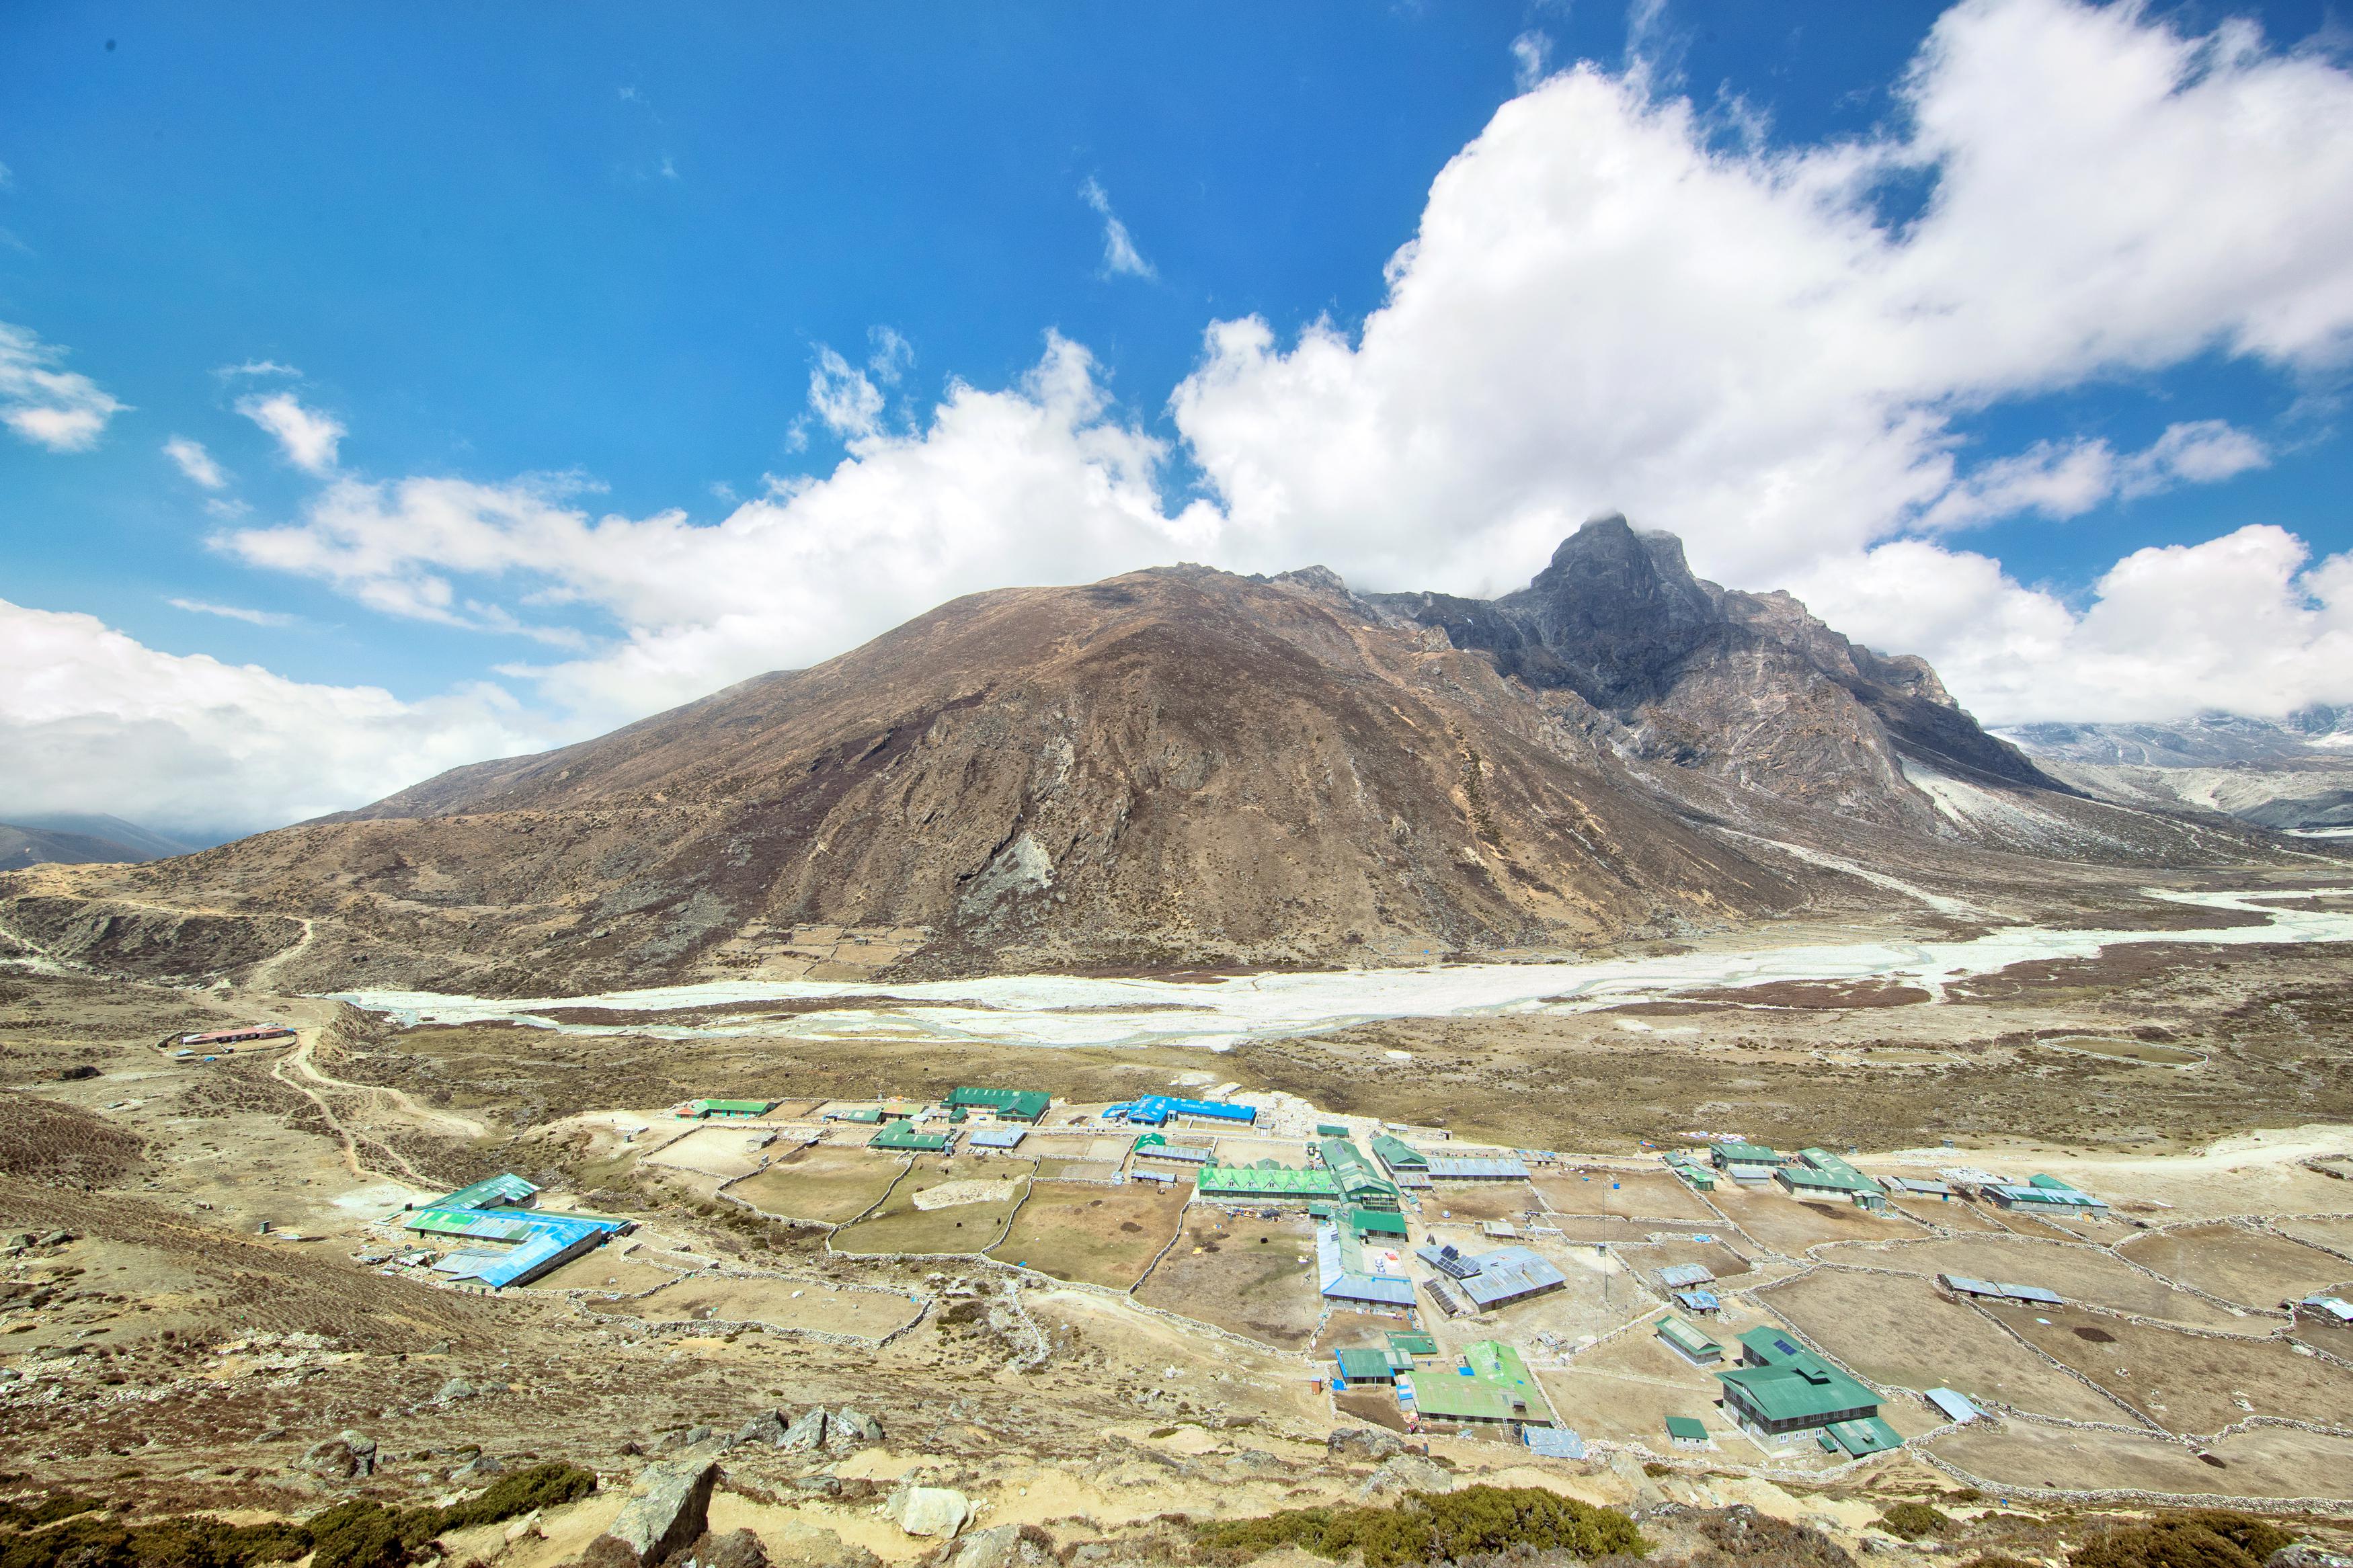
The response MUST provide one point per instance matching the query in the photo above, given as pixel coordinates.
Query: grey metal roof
(1955, 1406)
(1553, 1442)
(1683, 1276)
(994, 1137)
(1506, 1274)
(1182, 1155)
(1444, 1168)
(1336, 1279)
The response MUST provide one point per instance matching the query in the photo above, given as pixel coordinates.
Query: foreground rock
(935, 1511)
(671, 1510)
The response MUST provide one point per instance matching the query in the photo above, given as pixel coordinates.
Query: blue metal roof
(1153, 1109)
(1553, 1442)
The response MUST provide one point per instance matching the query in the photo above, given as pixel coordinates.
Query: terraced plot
(2190, 1383)
(2077, 1272)
(1636, 1195)
(800, 1304)
(2251, 1268)
(1247, 1275)
(828, 1185)
(906, 1224)
(1100, 1235)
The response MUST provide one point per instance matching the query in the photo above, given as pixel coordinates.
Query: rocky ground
(161, 1354)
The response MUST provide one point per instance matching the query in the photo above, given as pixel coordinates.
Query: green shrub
(1914, 1520)
(187, 1541)
(1427, 1526)
(2197, 1538)
(46, 1510)
(549, 1485)
(370, 1535)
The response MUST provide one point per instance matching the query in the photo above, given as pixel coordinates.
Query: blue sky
(580, 264)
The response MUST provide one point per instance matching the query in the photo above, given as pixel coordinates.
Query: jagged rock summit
(1178, 767)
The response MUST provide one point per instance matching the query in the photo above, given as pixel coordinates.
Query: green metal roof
(471, 1224)
(1397, 1152)
(1681, 1334)
(1445, 1397)
(1375, 1222)
(1330, 1130)
(1015, 1104)
(1685, 1429)
(865, 1113)
(489, 1193)
(1868, 1436)
(732, 1107)
(1410, 1343)
(1354, 1174)
(1492, 1360)
(1251, 1180)
(1745, 1154)
(1356, 1364)
(1793, 1384)
(902, 1135)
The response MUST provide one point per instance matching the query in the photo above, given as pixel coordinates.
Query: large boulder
(806, 1434)
(938, 1511)
(1364, 1443)
(768, 1427)
(342, 1457)
(672, 1510)
(1402, 1473)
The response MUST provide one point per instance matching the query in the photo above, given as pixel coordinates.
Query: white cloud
(1037, 483)
(59, 409)
(1531, 54)
(2242, 623)
(256, 367)
(308, 437)
(1120, 256)
(196, 462)
(1606, 306)
(2064, 480)
(234, 612)
(93, 721)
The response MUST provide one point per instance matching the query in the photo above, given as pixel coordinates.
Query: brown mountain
(1178, 767)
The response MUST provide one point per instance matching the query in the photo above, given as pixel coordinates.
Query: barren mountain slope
(1175, 767)
(1179, 767)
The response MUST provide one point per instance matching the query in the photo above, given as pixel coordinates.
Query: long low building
(1467, 1168)
(1159, 1109)
(1780, 1386)
(531, 1242)
(1962, 1285)
(1155, 1146)
(1343, 1272)
(1494, 1278)
(1009, 1104)
(2047, 1194)
(1264, 1183)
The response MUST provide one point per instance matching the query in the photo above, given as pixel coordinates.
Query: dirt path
(267, 971)
(298, 1059)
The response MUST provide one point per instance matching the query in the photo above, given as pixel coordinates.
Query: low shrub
(1914, 1520)
(359, 1534)
(1426, 1526)
(2196, 1538)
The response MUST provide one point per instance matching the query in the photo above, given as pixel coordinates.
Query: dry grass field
(829, 1186)
(1791, 1225)
(1633, 1194)
(1624, 1392)
(2271, 1463)
(1648, 1257)
(1965, 1217)
(2076, 1271)
(2334, 1232)
(1897, 1331)
(2190, 1383)
(1099, 1236)
(613, 1267)
(776, 1303)
(1480, 1201)
(903, 1225)
(2252, 1268)
(1244, 1275)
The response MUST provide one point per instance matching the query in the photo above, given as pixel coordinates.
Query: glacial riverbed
(1218, 1012)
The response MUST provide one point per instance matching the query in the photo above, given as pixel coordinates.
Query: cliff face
(1748, 687)
(1176, 768)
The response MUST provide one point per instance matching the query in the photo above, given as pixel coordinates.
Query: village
(1790, 1311)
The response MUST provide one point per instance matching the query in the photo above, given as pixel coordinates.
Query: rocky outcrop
(670, 1508)
(1749, 687)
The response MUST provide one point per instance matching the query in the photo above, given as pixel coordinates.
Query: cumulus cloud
(94, 721)
(1040, 482)
(2060, 479)
(196, 462)
(307, 437)
(1120, 256)
(1605, 307)
(60, 409)
(2246, 622)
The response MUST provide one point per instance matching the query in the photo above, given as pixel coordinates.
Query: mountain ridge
(1178, 767)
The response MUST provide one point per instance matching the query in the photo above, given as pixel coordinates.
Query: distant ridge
(1176, 768)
